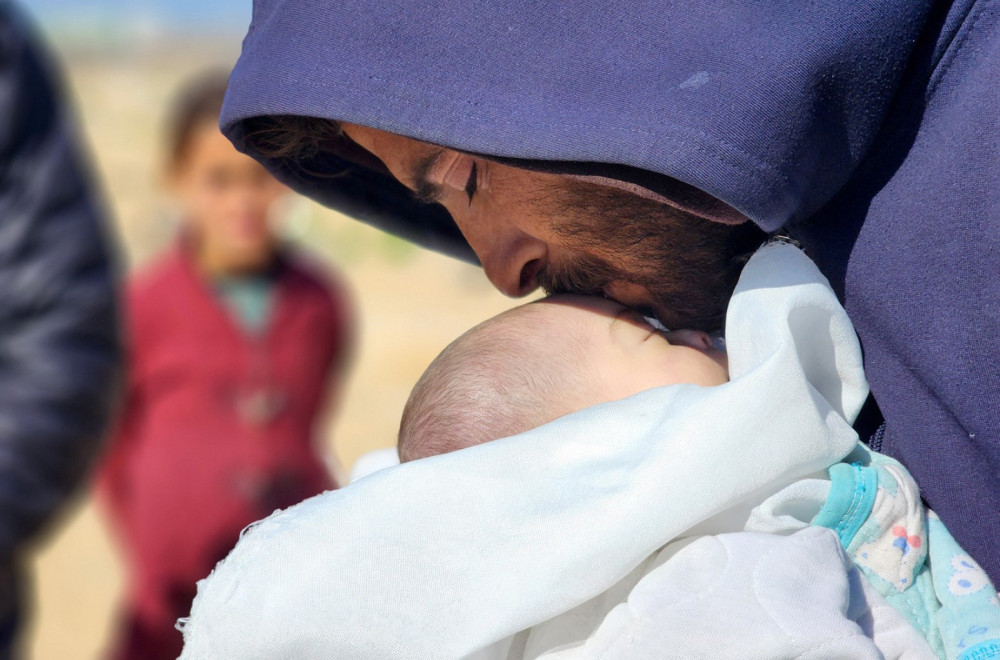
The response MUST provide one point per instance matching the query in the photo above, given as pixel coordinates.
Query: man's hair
(290, 137)
(503, 377)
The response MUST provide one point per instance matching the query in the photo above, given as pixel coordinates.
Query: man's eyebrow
(423, 189)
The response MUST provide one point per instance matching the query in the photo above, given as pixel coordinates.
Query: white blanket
(456, 554)
(744, 595)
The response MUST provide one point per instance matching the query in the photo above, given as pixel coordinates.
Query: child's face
(226, 198)
(626, 355)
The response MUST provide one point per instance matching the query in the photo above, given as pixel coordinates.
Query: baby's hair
(496, 380)
(199, 100)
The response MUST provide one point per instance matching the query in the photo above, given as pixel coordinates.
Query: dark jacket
(59, 346)
(869, 129)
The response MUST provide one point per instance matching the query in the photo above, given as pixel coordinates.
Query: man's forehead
(407, 159)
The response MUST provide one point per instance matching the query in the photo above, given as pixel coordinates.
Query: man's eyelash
(471, 185)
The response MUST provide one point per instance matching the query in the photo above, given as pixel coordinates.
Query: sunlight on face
(493, 205)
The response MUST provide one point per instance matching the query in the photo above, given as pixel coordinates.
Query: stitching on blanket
(853, 509)
(910, 610)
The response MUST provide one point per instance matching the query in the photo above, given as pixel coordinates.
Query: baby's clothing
(903, 550)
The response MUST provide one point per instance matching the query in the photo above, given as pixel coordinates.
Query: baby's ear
(693, 338)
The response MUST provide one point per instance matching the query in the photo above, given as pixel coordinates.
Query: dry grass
(410, 302)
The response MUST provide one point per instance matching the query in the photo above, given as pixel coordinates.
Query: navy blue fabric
(767, 106)
(912, 243)
(869, 129)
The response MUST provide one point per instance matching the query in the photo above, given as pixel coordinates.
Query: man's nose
(512, 264)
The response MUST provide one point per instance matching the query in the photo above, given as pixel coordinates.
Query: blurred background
(122, 60)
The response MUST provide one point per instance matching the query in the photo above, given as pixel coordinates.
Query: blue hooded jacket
(869, 130)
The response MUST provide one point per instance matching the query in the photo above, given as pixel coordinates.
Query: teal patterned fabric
(909, 556)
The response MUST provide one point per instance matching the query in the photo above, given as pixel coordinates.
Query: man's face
(532, 229)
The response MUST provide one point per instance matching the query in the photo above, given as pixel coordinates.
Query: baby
(540, 361)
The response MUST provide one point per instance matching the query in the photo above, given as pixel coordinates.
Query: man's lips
(630, 294)
(633, 296)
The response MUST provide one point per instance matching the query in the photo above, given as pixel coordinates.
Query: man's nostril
(529, 276)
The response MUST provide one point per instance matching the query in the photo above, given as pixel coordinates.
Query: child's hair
(503, 377)
(199, 100)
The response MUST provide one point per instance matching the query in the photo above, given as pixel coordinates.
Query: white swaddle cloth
(443, 557)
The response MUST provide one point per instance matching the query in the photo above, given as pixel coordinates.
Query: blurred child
(235, 346)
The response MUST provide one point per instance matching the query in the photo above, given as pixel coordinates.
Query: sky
(114, 18)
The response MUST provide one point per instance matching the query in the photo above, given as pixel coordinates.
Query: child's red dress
(217, 431)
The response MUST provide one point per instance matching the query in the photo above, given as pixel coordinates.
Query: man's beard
(688, 265)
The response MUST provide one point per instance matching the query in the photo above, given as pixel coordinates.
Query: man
(592, 147)
(58, 331)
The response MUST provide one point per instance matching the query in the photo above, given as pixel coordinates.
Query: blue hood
(766, 106)
(868, 126)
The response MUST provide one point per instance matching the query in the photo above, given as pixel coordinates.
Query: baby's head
(538, 362)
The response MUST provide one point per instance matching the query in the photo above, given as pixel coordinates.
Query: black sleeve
(59, 344)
